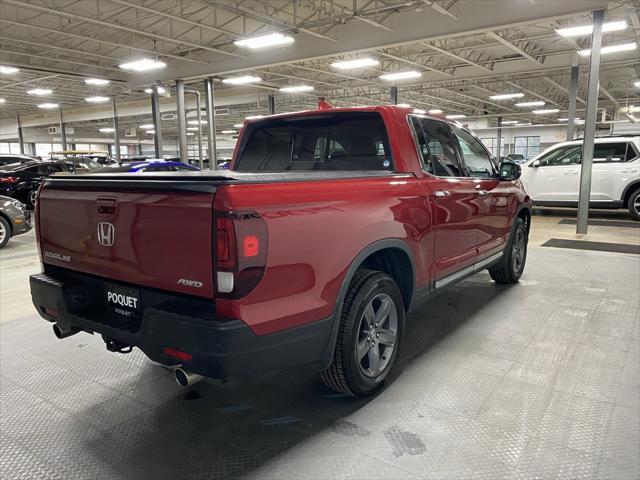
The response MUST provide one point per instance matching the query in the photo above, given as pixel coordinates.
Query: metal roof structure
(464, 50)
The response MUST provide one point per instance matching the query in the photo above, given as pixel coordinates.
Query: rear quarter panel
(315, 231)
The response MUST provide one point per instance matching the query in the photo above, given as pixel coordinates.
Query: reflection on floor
(536, 379)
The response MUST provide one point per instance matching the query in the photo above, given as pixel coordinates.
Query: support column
(272, 104)
(63, 133)
(499, 149)
(182, 122)
(211, 124)
(393, 95)
(573, 94)
(155, 113)
(590, 123)
(20, 137)
(199, 109)
(116, 133)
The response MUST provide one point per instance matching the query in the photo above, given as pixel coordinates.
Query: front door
(453, 196)
(555, 176)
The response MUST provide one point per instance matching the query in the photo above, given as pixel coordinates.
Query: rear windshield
(332, 141)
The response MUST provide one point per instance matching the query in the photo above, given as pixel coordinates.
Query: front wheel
(634, 204)
(510, 268)
(369, 334)
(5, 232)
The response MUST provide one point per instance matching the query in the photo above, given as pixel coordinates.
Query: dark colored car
(14, 219)
(329, 227)
(8, 158)
(147, 166)
(22, 180)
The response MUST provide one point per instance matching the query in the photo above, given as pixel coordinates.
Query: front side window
(570, 155)
(475, 156)
(435, 147)
(333, 141)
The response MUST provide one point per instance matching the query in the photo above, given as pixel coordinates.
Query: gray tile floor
(536, 380)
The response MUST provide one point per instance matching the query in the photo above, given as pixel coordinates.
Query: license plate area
(123, 301)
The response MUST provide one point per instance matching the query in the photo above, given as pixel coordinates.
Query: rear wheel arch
(8, 220)
(628, 191)
(524, 212)
(380, 252)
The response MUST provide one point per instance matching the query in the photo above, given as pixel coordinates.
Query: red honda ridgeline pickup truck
(328, 228)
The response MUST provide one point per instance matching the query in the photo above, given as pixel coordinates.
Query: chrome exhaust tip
(185, 378)
(62, 332)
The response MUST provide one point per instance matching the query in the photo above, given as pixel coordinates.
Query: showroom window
(492, 145)
(527, 146)
(436, 149)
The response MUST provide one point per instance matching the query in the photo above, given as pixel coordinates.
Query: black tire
(511, 266)
(5, 232)
(347, 374)
(633, 204)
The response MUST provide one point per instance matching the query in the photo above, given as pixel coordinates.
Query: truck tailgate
(143, 235)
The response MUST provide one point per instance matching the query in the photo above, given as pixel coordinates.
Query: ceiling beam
(563, 89)
(457, 57)
(513, 47)
(59, 60)
(531, 92)
(439, 9)
(609, 96)
(415, 64)
(104, 23)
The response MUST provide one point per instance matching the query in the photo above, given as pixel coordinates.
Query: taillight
(241, 252)
(8, 179)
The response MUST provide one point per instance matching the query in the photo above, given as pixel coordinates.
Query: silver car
(14, 219)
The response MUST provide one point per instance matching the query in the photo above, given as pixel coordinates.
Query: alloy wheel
(377, 335)
(3, 232)
(636, 204)
(518, 250)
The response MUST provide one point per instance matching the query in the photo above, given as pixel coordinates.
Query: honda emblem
(106, 234)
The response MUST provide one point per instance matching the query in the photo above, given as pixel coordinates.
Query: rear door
(493, 198)
(454, 196)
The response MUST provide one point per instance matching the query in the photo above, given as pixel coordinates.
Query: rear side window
(335, 141)
(613, 152)
(436, 149)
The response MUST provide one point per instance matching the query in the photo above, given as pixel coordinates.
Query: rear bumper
(219, 348)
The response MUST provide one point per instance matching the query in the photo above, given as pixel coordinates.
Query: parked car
(553, 177)
(328, 228)
(8, 158)
(150, 165)
(22, 180)
(14, 219)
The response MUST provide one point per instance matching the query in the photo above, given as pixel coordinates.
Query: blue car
(147, 166)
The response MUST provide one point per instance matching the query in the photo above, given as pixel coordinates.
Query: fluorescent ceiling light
(537, 103)
(403, 105)
(196, 122)
(97, 99)
(392, 77)
(40, 91)
(544, 112)
(147, 126)
(566, 119)
(506, 96)
(190, 134)
(587, 29)
(48, 105)
(297, 88)
(622, 47)
(455, 117)
(264, 41)
(419, 111)
(161, 90)
(636, 84)
(435, 111)
(2, 100)
(106, 130)
(356, 63)
(143, 65)
(96, 81)
(150, 132)
(254, 117)
(509, 122)
(227, 132)
(8, 70)
(241, 80)
(239, 125)
(193, 129)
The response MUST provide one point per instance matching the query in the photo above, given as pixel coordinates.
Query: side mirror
(535, 164)
(509, 171)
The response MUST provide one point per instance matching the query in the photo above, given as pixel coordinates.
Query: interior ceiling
(56, 44)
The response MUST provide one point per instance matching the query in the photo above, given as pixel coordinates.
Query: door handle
(572, 172)
(442, 193)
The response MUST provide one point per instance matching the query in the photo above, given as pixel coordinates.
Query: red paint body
(315, 231)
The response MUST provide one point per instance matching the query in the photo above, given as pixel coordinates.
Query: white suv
(553, 177)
